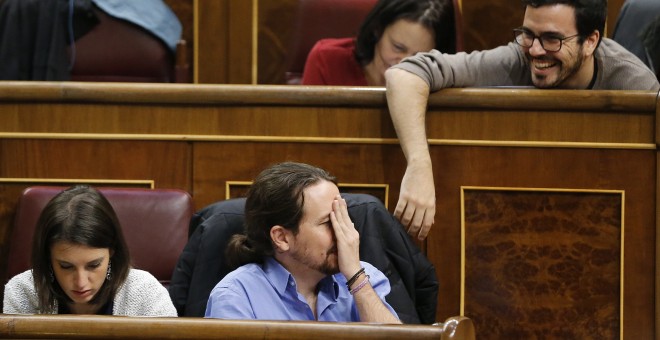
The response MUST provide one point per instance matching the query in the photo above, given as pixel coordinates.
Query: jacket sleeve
(416, 271)
(182, 275)
(142, 295)
(202, 264)
(385, 244)
(20, 296)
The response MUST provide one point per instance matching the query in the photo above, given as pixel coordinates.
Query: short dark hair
(276, 197)
(79, 215)
(590, 15)
(437, 15)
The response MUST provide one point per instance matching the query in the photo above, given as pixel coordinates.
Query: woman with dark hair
(81, 264)
(393, 30)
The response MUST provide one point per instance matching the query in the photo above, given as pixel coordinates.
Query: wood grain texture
(555, 256)
(219, 34)
(199, 137)
(114, 327)
(555, 168)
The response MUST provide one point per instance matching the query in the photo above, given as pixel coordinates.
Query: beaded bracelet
(362, 284)
(354, 278)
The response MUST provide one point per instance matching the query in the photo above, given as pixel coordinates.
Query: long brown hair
(79, 215)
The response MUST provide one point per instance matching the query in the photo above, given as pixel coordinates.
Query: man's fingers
(413, 229)
(418, 222)
(429, 220)
(407, 215)
(400, 208)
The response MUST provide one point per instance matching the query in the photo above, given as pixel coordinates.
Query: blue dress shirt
(268, 292)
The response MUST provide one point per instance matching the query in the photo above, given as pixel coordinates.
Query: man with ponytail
(298, 258)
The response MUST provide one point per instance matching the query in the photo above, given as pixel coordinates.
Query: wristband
(354, 278)
(362, 284)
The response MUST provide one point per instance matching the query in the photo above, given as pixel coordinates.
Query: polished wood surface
(545, 253)
(201, 137)
(117, 327)
(246, 41)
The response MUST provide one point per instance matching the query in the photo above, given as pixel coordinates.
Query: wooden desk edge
(224, 94)
(117, 327)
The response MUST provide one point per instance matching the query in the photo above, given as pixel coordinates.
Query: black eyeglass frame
(520, 31)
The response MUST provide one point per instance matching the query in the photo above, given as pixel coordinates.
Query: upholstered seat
(76, 40)
(319, 19)
(117, 51)
(154, 223)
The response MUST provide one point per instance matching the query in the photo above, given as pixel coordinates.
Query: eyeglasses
(549, 42)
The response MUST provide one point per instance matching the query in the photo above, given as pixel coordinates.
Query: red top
(332, 62)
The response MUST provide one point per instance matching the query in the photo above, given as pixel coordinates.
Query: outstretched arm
(407, 97)
(369, 305)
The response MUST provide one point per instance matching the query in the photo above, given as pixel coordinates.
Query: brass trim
(544, 144)
(228, 185)
(368, 185)
(196, 138)
(255, 41)
(334, 140)
(149, 182)
(605, 191)
(195, 65)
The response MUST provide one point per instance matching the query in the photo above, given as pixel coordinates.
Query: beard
(329, 265)
(566, 69)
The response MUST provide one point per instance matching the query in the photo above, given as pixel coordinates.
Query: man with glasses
(559, 45)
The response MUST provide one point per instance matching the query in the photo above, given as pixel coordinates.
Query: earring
(108, 274)
(51, 275)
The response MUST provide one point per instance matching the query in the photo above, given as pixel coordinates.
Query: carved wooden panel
(543, 264)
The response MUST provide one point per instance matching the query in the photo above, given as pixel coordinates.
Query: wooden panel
(224, 42)
(236, 189)
(350, 163)
(225, 110)
(481, 32)
(184, 10)
(554, 255)
(212, 44)
(599, 169)
(276, 25)
(199, 137)
(242, 23)
(224, 30)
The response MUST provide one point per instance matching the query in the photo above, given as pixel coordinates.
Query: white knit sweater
(140, 295)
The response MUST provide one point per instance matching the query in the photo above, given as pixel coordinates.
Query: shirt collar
(280, 278)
